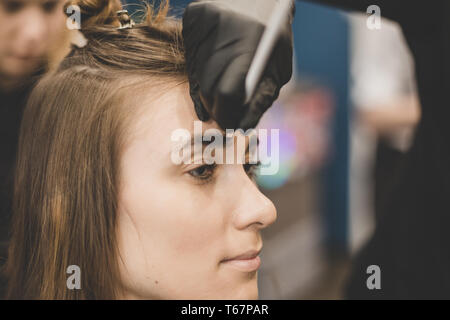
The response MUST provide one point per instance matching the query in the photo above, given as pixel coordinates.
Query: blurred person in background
(33, 38)
(385, 96)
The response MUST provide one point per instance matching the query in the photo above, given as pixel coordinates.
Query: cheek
(169, 231)
(57, 32)
(6, 32)
(57, 22)
(173, 217)
(170, 213)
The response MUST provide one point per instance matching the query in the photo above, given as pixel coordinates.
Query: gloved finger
(195, 33)
(278, 72)
(266, 93)
(229, 102)
(199, 40)
(281, 60)
(229, 48)
(200, 110)
(229, 110)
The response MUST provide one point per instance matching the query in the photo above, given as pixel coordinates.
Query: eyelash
(198, 173)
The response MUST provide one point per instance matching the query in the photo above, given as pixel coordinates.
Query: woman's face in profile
(185, 231)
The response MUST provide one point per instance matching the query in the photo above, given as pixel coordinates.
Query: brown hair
(67, 177)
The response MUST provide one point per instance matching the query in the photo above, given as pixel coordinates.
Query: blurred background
(345, 121)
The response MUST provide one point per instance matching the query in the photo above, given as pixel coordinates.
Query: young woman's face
(28, 30)
(182, 228)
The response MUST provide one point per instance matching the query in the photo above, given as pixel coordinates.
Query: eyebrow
(200, 138)
(225, 140)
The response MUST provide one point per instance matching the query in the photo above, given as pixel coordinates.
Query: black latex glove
(220, 45)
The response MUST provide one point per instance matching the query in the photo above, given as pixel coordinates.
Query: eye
(204, 173)
(13, 6)
(49, 6)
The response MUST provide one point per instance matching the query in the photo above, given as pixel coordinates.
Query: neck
(9, 84)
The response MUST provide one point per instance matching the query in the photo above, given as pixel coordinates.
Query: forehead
(161, 112)
(151, 129)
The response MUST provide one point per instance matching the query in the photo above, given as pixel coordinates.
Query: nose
(254, 209)
(32, 31)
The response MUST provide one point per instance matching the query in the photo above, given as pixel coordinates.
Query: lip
(248, 261)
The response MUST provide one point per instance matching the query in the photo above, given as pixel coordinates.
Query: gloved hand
(220, 45)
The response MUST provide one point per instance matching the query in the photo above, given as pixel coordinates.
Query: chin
(19, 69)
(247, 291)
(250, 294)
